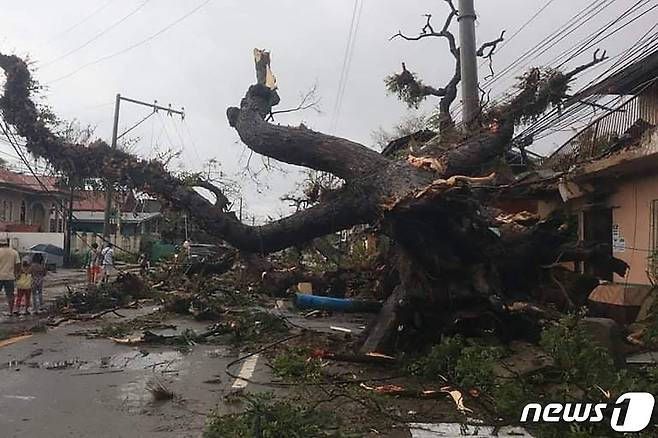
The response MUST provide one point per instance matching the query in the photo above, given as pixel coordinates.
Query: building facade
(28, 204)
(609, 172)
(129, 223)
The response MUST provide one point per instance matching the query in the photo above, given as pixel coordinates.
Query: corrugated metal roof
(24, 182)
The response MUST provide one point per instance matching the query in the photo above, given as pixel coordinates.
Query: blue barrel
(315, 302)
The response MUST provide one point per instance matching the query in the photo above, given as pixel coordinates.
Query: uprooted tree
(447, 263)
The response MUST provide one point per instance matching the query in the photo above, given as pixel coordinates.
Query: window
(4, 210)
(53, 225)
(11, 211)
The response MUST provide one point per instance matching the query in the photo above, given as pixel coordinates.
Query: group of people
(22, 280)
(99, 263)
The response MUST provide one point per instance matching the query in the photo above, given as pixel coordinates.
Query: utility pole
(468, 58)
(116, 137)
(69, 227)
(109, 188)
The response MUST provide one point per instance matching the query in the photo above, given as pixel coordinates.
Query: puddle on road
(59, 364)
(219, 352)
(143, 360)
(162, 361)
(135, 396)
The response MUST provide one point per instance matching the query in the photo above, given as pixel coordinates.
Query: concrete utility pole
(116, 137)
(108, 189)
(468, 58)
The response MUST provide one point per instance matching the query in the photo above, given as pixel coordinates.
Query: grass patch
(582, 371)
(268, 417)
(455, 361)
(297, 365)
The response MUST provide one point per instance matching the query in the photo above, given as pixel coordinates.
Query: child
(92, 263)
(23, 287)
(38, 271)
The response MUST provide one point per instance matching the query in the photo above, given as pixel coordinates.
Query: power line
(77, 24)
(520, 29)
(592, 39)
(132, 46)
(194, 147)
(142, 120)
(347, 61)
(634, 53)
(484, 62)
(12, 140)
(574, 114)
(98, 35)
(580, 20)
(583, 16)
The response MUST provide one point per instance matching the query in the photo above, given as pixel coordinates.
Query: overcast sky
(205, 63)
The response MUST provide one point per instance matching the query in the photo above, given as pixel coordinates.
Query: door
(597, 227)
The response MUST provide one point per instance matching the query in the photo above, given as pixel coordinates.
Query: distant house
(30, 205)
(129, 222)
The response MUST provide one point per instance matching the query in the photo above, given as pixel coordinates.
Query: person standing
(39, 271)
(23, 287)
(92, 263)
(9, 266)
(107, 257)
(144, 264)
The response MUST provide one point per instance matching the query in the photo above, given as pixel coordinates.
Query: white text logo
(631, 412)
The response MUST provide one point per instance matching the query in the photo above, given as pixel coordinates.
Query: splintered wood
(437, 187)
(264, 75)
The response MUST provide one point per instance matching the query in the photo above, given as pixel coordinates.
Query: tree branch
(307, 101)
(221, 201)
(98, 160)
(411, 90)
(428, 30)
(491, 45)
(593, 62)
(298, 145)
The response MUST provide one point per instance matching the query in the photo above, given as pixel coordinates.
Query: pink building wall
(631, 212)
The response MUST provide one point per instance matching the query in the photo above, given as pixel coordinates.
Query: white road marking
(247, 370)
(21, 397)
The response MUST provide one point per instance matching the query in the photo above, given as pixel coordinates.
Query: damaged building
(607, 177)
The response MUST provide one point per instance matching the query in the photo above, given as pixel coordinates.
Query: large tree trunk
(449, 258)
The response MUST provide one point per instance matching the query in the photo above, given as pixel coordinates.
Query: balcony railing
(623, 125)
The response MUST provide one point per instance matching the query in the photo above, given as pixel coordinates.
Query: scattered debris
(268, 417)
(14, 339)
(159, 391)
(431, 430)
